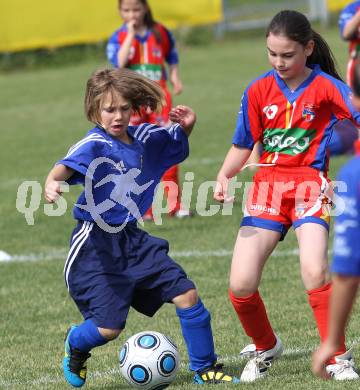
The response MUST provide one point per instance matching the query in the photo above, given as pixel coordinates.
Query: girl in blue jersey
(112, 264)
(291, 110)
(346, 261)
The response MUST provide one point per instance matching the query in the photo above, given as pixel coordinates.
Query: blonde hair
(132, 86)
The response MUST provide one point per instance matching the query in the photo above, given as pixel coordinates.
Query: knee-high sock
(86, 336)
(319, 299)
(173, 195)
(252, 315)
(197, 333)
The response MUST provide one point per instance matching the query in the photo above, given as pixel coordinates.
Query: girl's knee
(243, 289)
(188, 299)
(110, 334)
(315, 277)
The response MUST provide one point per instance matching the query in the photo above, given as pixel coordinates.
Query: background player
(291, 111)
(146, 46)
(112, 264)
(346, 261)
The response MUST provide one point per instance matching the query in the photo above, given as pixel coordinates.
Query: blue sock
(197, 333)
(86, 336)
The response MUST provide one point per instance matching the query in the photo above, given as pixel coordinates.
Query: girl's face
(133, 10)
(288, 57)
(115, 116)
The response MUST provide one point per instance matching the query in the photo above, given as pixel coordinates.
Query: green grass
(42, 115)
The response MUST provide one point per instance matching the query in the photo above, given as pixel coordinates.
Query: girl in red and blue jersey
(146, 46)
(291, 111)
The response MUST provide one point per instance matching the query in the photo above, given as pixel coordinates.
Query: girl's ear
(309, 48)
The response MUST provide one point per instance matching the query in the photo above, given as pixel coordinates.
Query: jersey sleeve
(346, 258)
(81, 155)
(112, 49)
(345, 16)
(247, 130)
(169, 146)
(340, 99)
(169, 45)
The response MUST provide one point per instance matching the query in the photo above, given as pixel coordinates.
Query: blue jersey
(347, 225)
(346, 15)
(120, 179)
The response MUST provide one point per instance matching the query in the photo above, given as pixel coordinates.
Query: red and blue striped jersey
(346, 14)
(294, 127)
(148, 53)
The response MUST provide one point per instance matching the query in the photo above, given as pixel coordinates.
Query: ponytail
(323, 56)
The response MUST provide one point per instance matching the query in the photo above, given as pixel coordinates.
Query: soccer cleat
(344, 368)
(214, 375)
(74, 363)
(259, 361)
(183, 213)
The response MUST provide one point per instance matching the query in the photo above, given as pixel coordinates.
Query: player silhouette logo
(124, 185)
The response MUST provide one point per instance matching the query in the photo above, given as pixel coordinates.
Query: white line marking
(59, 254)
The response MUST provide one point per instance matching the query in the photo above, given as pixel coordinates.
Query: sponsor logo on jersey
(156, 52)
(308, 112)
(288, 141)
(270, 111)
(151, 71)
(264, 209)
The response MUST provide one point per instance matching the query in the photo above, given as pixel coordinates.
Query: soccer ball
(149, 360)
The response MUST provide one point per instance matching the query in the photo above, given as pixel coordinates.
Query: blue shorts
(106, 273)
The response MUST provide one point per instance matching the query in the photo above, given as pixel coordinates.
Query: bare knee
(243, 291)
(188, 299)
(243, 288)
(315, 277)
(109, 334)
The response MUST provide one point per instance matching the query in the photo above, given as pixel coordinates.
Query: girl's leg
(87, 336)
(196, 329)
(313, 246)
(79, 341)
(253, 247)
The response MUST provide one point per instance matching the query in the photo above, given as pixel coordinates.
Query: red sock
(252, 315)
(319, 301)
(173, 195)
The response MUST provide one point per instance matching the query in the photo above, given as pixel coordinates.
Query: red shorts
(283, 196)
(160, 119)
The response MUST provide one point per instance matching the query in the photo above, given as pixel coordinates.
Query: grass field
(42, 115)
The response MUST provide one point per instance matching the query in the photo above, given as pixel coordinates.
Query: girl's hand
(320, 358)
(52, 190)
(177, 85)
(131, 27)
(185, 116)
(221, 189)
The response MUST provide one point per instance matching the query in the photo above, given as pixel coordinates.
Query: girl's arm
(234, 161)
(185, 116)
(123, 53)
(175, 79)
(53, 181)
(352, 26)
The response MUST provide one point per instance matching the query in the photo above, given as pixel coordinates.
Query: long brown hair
(132, 86)
(295, 26)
